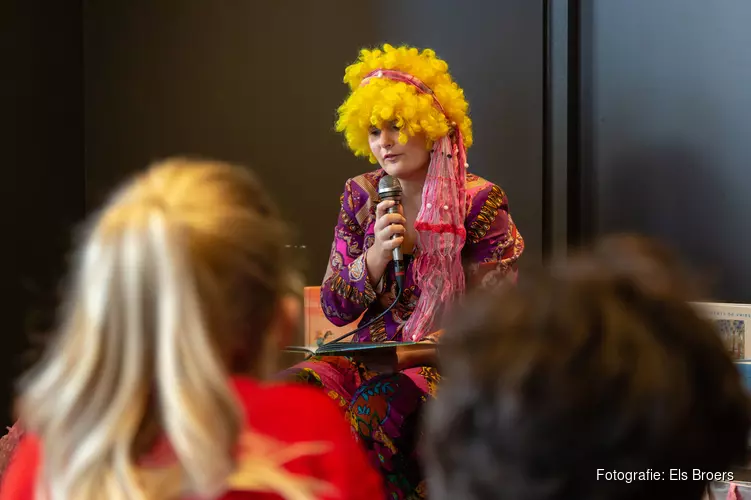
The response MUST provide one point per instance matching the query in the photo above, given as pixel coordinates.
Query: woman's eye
(374, 131)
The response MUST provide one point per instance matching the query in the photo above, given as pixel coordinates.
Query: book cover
(744, 368)
(732, 322)
(317, 327)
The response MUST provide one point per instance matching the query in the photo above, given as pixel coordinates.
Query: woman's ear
(288, 320)
(283, 331)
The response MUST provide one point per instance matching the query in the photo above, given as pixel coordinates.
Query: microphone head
(389, 188)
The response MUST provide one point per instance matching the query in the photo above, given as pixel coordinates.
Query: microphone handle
(398, 256)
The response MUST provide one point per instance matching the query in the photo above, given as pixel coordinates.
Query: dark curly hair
(601, 363)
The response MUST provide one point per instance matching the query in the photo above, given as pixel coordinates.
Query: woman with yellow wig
(407, 115)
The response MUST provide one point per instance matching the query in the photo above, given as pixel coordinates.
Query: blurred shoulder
(274, 405)
(480, 189)
(483, 196)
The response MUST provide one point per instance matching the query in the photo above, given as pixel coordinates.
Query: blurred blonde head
(178, 278)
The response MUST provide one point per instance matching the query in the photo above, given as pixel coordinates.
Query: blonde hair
(180, 270)
(383, 101)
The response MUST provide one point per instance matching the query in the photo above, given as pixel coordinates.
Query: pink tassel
(441, 235)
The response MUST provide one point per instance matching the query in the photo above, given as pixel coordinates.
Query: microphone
(390, 189)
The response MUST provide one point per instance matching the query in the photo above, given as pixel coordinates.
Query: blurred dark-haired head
(600, 362)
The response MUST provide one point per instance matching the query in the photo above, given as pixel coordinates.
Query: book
(732, 322)
(744, 368)
(352, 348)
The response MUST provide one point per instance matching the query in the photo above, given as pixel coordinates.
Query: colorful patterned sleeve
(494, 244)
(347, 291)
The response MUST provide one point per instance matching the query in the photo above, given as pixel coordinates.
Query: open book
(351, 348)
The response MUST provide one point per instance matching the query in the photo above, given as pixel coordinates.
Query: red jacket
(287, 413)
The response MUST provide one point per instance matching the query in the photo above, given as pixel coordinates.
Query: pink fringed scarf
(440, 223)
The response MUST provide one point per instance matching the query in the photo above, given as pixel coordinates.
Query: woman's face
(403, 161)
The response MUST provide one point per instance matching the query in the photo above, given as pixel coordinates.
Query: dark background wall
(100, 89)
(41, 91)
(667, 111)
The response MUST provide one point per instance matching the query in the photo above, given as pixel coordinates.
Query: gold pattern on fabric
(340, 286)
(479, 227)
(369, 184)
(352, 225)
(378, 331)
(357, 270)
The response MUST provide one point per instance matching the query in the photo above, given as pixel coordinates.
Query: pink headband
(400, 76)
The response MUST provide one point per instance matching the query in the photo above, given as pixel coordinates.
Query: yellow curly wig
(383, 101)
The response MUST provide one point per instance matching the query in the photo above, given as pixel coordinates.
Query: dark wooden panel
(668, 125)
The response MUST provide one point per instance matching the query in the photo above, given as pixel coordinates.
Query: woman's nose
(387, 138)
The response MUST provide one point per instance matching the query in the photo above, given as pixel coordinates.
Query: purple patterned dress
(384, 409)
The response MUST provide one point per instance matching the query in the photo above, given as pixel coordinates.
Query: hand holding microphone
(388, 236)
(389, 227)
